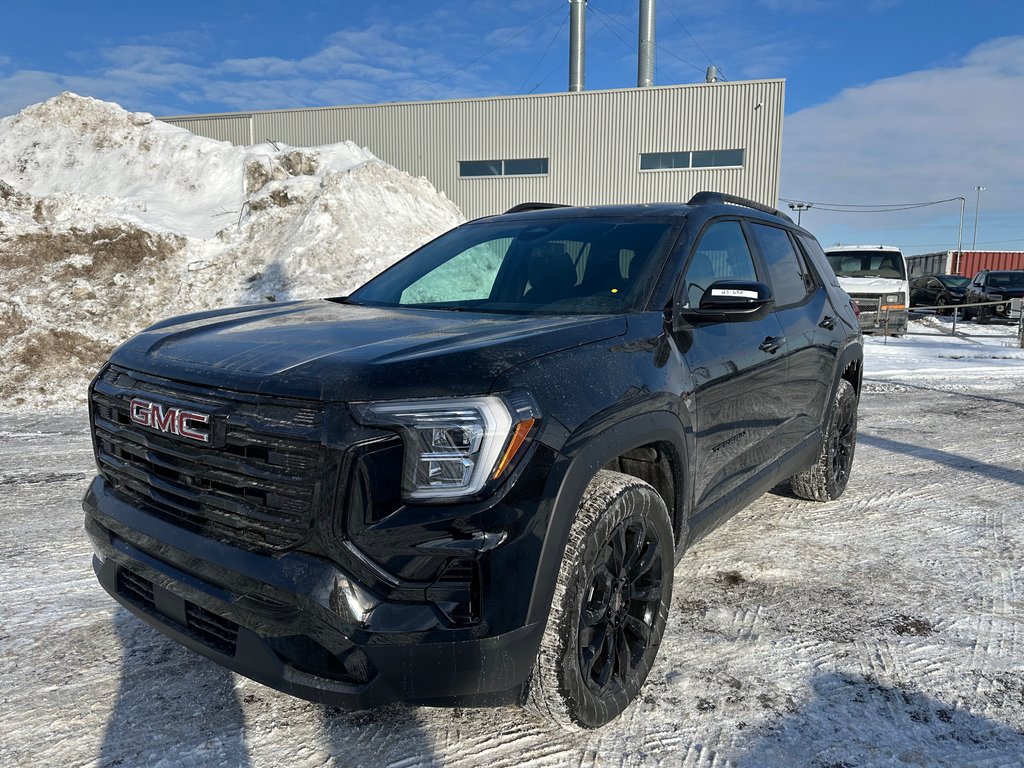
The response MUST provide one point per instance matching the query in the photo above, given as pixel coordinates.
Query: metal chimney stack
(645, 47)
(577, 43)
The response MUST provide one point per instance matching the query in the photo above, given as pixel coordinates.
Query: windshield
(1006, 279)
(867, 264)
(954, 281)
(570, 266)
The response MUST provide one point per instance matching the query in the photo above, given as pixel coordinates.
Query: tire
(826, 479)
(610, 604)
(984, 315)
(943, 309)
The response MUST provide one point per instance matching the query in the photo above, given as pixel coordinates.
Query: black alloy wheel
(843, 436)
(610, 605)
(826, 479)
(620, 607)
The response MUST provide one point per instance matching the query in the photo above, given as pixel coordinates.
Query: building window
(706, 158)
(534, 166)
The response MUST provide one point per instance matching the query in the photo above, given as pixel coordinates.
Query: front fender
(585, 453)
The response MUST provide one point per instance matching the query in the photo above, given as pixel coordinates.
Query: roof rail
(534, 207)
(721, 198)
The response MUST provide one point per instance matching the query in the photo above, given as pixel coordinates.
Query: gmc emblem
(177, 421)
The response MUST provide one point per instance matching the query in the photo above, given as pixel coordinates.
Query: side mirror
(725, 301)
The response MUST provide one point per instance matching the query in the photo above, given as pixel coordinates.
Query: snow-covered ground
(110, 220)
(883, 629)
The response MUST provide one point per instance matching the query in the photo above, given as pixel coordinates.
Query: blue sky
(887, 101)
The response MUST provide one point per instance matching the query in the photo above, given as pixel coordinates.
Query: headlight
(454, 447)
(893, 301)
(995, 297)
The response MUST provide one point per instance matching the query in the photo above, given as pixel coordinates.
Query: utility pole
(977, 204)
(960, 235)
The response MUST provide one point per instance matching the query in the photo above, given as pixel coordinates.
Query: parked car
(938, 291)
(993, 285)
(469, 481)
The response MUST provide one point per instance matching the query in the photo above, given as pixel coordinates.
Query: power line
(657, 47)
(521, 32)
(606, 17)
(870, 207)
(694, 39)
(543, 55)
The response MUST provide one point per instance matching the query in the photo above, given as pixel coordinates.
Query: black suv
(469, 481)
(993, 285)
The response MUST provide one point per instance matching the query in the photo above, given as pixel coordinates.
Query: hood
(330, 351)
(872, 285)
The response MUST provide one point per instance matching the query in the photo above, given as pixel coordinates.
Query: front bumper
(295, 621)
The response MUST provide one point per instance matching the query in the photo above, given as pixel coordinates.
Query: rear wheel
(826, 479)
(610, 605)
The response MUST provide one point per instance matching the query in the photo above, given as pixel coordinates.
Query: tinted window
(867, 263)
(1006, 279)
(530, 266)
(534, 167)
(721, 254)
(717, 158)
(480, 168)
(789, 278)
(817, 256)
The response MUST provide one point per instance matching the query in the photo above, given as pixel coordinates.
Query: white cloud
(926, 135)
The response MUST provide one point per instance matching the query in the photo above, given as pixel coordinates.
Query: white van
(875, 276)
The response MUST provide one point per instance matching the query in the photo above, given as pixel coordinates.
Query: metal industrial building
(582, 148)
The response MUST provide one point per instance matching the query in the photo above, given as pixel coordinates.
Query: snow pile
(111, 220)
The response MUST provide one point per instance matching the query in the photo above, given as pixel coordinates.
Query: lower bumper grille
(208, 628)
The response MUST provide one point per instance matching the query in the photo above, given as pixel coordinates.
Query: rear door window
(791, 280)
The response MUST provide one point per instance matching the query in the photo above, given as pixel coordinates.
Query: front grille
(866, 303)
(255, 485)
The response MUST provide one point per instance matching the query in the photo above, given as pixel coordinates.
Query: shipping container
(968, 264)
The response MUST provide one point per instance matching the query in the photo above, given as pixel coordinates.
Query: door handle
(772, 344)
(827, 322)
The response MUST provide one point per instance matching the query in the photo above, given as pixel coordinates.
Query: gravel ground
(882, 629)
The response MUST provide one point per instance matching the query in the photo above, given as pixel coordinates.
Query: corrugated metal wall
(938, 263)
(234, 128)
(973, 261)
(593, 140)
(968, 265)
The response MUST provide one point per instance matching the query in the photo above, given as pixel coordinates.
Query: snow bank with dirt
(110, 220)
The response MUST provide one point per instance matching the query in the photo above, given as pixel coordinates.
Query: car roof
(843, 248)
(659, 210)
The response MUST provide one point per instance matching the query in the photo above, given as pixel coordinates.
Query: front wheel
(826, 479)
(610, 604)
(942, 304)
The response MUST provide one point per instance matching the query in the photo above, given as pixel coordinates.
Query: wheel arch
(649, 446)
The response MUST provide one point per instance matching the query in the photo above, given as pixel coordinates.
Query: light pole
(977, 204)
(960, 234)
(800, 208)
